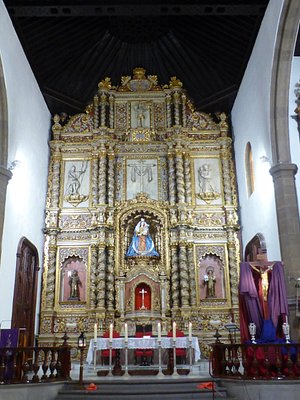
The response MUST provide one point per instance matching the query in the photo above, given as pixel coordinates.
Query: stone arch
(283, 170)
(5, 174)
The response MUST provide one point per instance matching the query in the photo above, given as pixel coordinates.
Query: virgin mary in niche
(141, 242)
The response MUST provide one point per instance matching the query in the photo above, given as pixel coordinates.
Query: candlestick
(126, 331)
(95, 332)
(110, 331)
(159, 331)
(190, 331)
(174, 330)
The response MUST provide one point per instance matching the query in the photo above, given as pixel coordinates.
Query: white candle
(95, 332)
(159, 331)
(174, 330)
(110, 331)
(190, 331)
(126, 331)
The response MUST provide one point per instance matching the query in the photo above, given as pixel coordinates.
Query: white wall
(293, 126)
(28, 125)
(251, 122)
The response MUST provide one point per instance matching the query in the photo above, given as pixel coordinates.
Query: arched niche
(129, 215)
(73, 280)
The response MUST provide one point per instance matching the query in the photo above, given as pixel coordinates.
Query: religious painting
(207, 181)
(73, 280)
(211, 277)
(140, 114)
(76, 183)
(141, 177)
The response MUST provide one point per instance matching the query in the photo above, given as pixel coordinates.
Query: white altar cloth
(143, 343)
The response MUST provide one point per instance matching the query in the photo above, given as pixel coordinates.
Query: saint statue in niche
(210, 282)
(74, 283)
(142, 243)
(205, 179)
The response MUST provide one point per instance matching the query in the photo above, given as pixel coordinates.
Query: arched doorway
(25, 291)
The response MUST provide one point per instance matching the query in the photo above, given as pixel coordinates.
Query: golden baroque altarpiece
(140, 152)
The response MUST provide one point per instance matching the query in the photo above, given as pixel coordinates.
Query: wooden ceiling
(71, 47)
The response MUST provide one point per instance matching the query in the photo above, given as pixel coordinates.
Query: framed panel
(142, 177)
(76, 184)
(207, 181)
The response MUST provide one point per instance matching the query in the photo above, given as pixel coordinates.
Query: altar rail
(255, 361)
(34, 364)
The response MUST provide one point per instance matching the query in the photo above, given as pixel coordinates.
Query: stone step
(170, 389)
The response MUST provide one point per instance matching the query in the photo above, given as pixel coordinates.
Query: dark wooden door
(23, 313)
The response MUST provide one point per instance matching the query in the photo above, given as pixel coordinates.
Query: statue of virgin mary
(141, 243)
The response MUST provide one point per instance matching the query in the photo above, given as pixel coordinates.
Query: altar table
(144, 343)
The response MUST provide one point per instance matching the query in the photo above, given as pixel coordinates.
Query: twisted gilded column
(192, 277)
(174, 277)
(101, 293)
(103, 109)
(102, 175)
(111, 178)
(111, 112)
(187, 178)
(183, 100)
(110, 286)
(226, 168)
(169, 115)
(51, 273)
(176, 107)
(96, 112)
(94, 174)
(55, 168)
(179, 176)
(94, 276)
(171, 168)
(184, 275)
(233, 262)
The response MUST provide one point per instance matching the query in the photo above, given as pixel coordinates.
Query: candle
(126, 331)
(159, 331)
(174, 330)
(95, 332)
(190, 331)
(110, 331)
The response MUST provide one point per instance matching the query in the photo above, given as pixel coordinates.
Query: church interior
(149, 185)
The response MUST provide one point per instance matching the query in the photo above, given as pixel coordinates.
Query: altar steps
(154, 389)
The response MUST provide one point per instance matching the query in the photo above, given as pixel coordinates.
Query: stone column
(184, 276)
(101, 293)
(94, 276)
(174, 277)
(192, 277)
(102, 175)
(110, 283)
(5, 176)
(288, 221)
(179, 176)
